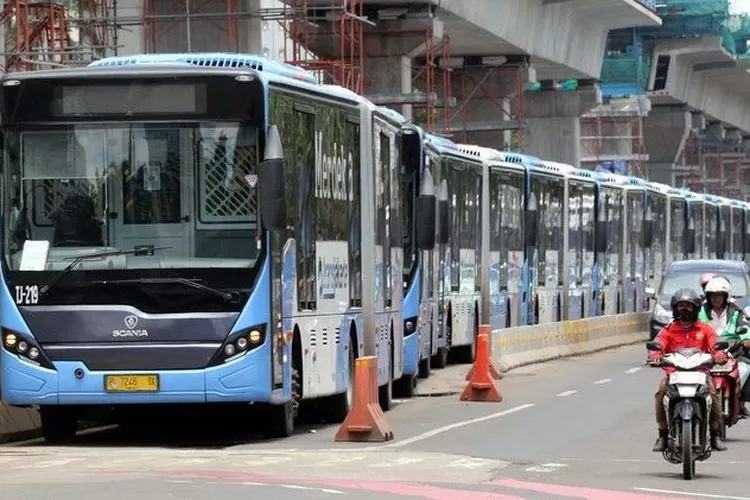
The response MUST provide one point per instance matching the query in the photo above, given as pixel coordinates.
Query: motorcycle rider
(728, 320)
(686, 331)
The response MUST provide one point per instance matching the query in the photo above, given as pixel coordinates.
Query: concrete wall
(518, 346)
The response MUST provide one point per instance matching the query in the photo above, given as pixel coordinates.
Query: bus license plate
(131, 383)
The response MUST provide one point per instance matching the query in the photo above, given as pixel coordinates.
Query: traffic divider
(365, 420)
(481, 385)
(519, 346)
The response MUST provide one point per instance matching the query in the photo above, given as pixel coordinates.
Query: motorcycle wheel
(686, 444)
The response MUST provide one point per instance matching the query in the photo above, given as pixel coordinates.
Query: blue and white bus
(458, 261)
(194, 228)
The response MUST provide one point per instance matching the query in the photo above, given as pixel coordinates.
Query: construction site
(420, 59)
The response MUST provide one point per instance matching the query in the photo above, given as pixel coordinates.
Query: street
(573, 428)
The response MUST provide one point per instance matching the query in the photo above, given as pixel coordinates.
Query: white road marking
(446, 428)
(328, 490)
(399, 462)
(470, 463)
(686, 493)
(603, 381)
(634, 370)
(176, 481)
(248, 483)
(551, 467)
(295, 487)
(566, 394)
(47, 464)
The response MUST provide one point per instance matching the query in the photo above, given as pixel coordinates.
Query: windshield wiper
(233, 297)
(112, 253)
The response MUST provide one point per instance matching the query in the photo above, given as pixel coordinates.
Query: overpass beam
(554, 126)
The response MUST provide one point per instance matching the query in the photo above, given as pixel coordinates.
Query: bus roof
(212, 60)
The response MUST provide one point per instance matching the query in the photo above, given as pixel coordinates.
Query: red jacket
(673, 336)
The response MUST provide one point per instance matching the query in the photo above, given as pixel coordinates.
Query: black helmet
(685, 295)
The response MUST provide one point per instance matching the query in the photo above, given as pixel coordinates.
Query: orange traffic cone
(365, 420)
(496, 374)
(481, 385)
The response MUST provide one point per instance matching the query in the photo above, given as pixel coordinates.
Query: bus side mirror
(443, 223)
(531, 216)
(424, 221)
(689, 243)
(601, 236)
(271, 192)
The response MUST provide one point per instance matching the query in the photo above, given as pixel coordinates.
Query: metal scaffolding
(36, 35)
(330, 38)
(480, 91)
(340, 25)
(613, 132)
(192, 25)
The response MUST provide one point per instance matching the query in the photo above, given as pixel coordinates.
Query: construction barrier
(523, 345)
(481, 385)
(365, 420)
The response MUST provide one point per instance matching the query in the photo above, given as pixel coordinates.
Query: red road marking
(579, 492)
(427, 491)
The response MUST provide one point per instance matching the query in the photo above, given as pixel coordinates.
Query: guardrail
(518, 346)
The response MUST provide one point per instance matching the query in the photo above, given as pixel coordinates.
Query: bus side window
(305, 231)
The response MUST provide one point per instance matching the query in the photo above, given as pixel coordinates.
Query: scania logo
(131, 321)
(130, 328)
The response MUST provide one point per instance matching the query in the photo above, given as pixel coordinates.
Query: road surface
(574, 428)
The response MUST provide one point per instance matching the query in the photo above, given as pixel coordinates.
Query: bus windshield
(182, 189)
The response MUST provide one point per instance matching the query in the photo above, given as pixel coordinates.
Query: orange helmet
(706, 278)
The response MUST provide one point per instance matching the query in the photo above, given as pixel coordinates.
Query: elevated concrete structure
(501, 47)
(565, 38)
(698, 89)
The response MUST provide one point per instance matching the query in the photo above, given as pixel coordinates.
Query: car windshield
(691, 279)
(179, 188)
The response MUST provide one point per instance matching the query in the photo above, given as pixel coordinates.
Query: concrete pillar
(392, 49)
(667, 130)
(553, 127)
(129, 38)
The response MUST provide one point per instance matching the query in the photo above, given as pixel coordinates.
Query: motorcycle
(727, 379)
(688, 405)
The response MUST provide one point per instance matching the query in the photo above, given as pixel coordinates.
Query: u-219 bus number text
(27, 294)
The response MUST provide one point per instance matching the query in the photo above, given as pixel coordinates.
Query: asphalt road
(575, 428)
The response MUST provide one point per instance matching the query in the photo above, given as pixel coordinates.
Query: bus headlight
(239, 343)
(410, 326)
(26, 349)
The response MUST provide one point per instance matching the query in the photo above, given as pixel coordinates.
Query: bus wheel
(424, 366)
(279, 419)
(337, 406)
(59, 423)
(385, 393)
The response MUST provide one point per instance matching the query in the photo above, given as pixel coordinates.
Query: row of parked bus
(221, 229)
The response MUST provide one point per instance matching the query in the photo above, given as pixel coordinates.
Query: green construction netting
(626, 68)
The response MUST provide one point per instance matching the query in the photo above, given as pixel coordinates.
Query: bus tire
(279, 422)
(425, 364)
(338, 406)
(59, 423)
(385, 392)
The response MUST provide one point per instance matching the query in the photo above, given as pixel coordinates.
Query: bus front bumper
(245, 379)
